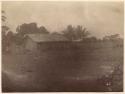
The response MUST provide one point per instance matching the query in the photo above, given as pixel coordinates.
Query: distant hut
(38, 42)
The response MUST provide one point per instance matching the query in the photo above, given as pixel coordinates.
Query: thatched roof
(46, 37)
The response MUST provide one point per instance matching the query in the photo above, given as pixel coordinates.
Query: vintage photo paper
(67, 46)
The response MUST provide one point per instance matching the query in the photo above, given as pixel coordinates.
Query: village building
(38, 42)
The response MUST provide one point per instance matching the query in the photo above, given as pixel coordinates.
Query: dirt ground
(58, 71)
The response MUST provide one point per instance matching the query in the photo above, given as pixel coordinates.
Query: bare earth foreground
(60, 71)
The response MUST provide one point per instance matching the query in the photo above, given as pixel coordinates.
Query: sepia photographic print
(62, 46)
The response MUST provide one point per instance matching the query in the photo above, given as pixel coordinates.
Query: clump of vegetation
(112, 37)
(78, 33)
(7, 34)
(117, 78)
(114, 81)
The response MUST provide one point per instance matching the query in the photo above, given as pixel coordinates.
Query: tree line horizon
(72, 33)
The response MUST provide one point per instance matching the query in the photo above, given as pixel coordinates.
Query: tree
(9, 38)
(27, 29)
(81, 32)
(78, 33)
(30, 29)
(68, 33)
(3, 16)
(43, 30)
(112, 37)
(5, 29)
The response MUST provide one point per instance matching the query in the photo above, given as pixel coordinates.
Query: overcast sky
(100, 18)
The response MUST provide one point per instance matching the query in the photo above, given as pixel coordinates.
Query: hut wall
(31, 45)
